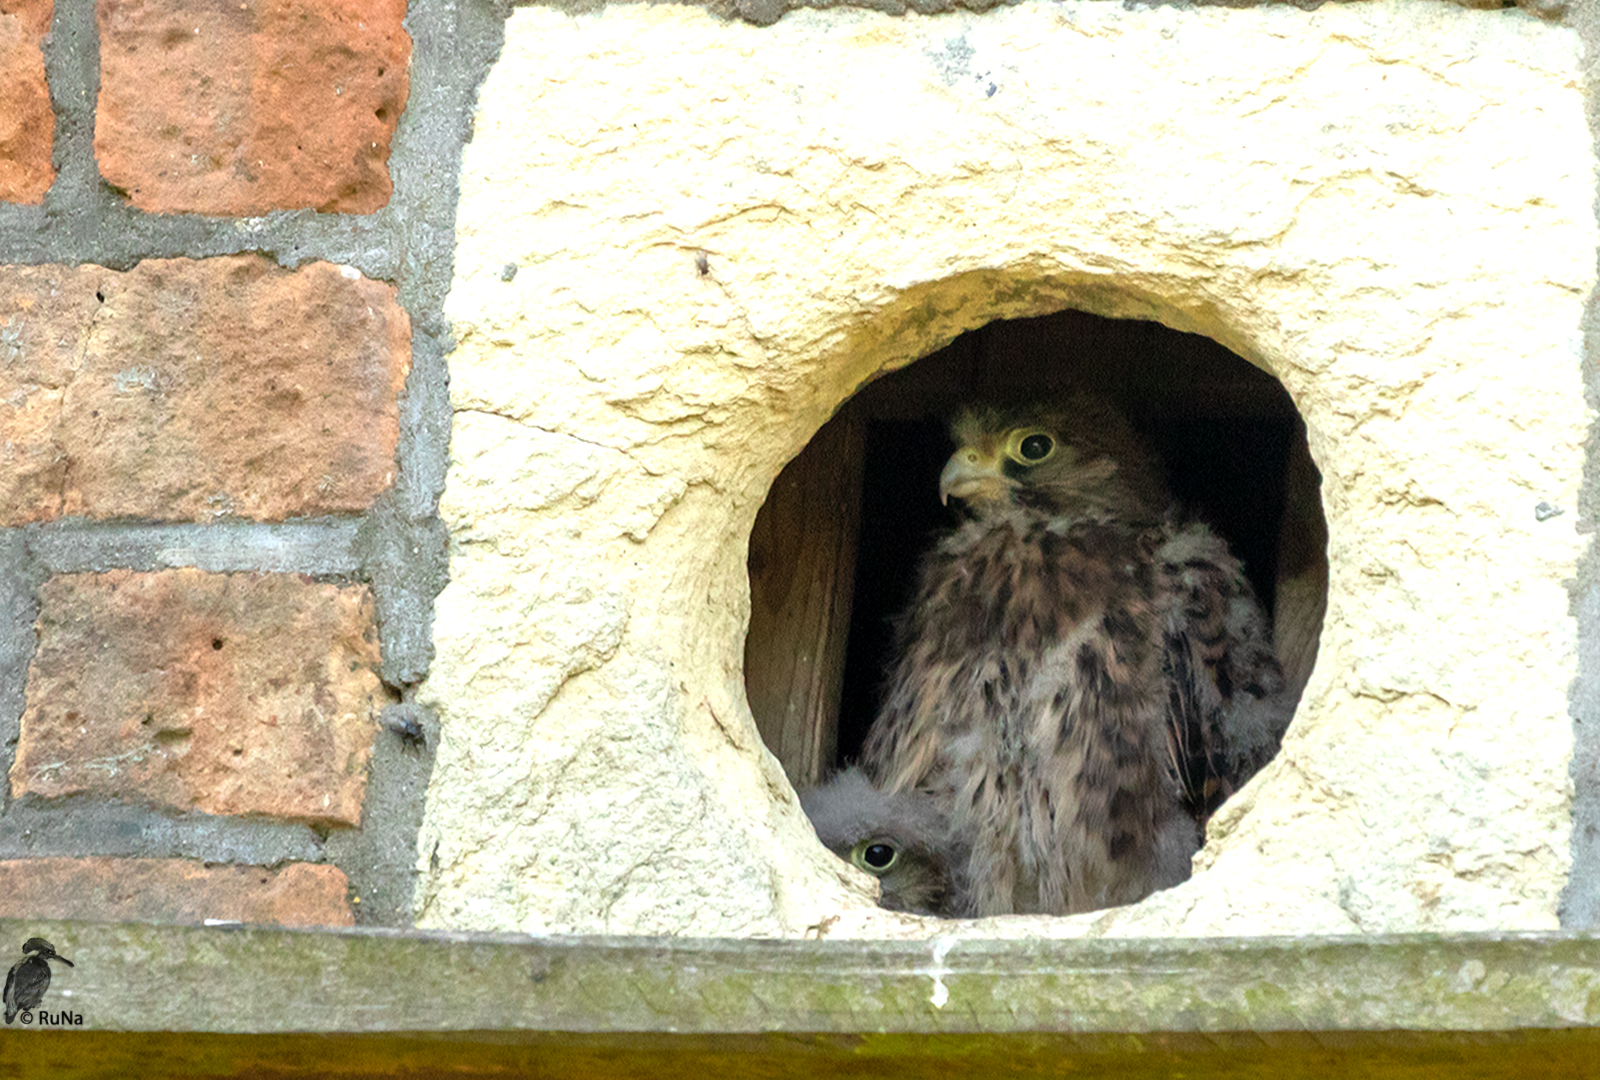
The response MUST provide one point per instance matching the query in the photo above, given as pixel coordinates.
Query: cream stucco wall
(1387, 205)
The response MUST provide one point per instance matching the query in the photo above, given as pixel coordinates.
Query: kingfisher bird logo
(27, 981)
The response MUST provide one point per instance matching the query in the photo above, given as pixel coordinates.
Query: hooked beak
(969, 473)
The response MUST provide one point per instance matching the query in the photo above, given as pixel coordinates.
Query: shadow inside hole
(835, 549)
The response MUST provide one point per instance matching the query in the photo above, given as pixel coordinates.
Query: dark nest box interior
(835, 548)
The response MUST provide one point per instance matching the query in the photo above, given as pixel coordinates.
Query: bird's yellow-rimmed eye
(874, 856)
(1030, 446)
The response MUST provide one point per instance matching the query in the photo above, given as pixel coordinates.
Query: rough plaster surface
(1387, 205)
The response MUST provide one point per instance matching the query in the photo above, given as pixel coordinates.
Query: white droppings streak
(938, 970)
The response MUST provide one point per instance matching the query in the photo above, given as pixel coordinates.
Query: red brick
(34, 15)
(250, 106)
(193, 389)
(45, 314)
(226, 693)
(173, 890)
(27, 123)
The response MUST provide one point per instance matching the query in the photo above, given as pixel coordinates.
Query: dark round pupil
(878, 856)
(1035, 447)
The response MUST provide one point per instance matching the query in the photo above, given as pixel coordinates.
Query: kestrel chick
(901, 839)
(1080, 678)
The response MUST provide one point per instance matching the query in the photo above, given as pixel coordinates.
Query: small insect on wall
(835, 550)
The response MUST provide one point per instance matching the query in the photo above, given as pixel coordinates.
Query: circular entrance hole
(835, 551)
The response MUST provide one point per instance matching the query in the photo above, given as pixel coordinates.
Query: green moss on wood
(225, 1000)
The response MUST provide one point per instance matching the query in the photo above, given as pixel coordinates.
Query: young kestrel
(1081, 677)
(902, 840)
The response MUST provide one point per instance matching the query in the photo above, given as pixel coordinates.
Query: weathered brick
(226, 693)
(33, 15)
(192, 389)
(27, 123)
(172, 890)
(45, 314)
(242, 108)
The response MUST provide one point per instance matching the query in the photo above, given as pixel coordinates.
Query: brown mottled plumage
(1081, 679)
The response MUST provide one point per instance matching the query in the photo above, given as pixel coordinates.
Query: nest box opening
(836, 546)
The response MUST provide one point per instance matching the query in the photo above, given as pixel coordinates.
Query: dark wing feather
(1226, 703)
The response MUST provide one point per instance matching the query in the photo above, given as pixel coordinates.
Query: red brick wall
(216, 389)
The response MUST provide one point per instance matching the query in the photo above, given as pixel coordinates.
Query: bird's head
(901, 839)
(1079, 457)
(38, 946)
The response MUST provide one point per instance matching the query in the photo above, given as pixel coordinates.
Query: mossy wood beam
(238, 1000)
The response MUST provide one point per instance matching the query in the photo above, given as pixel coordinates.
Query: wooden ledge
(224, 1001)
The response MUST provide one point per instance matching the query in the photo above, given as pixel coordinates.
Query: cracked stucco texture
(1387, 205)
